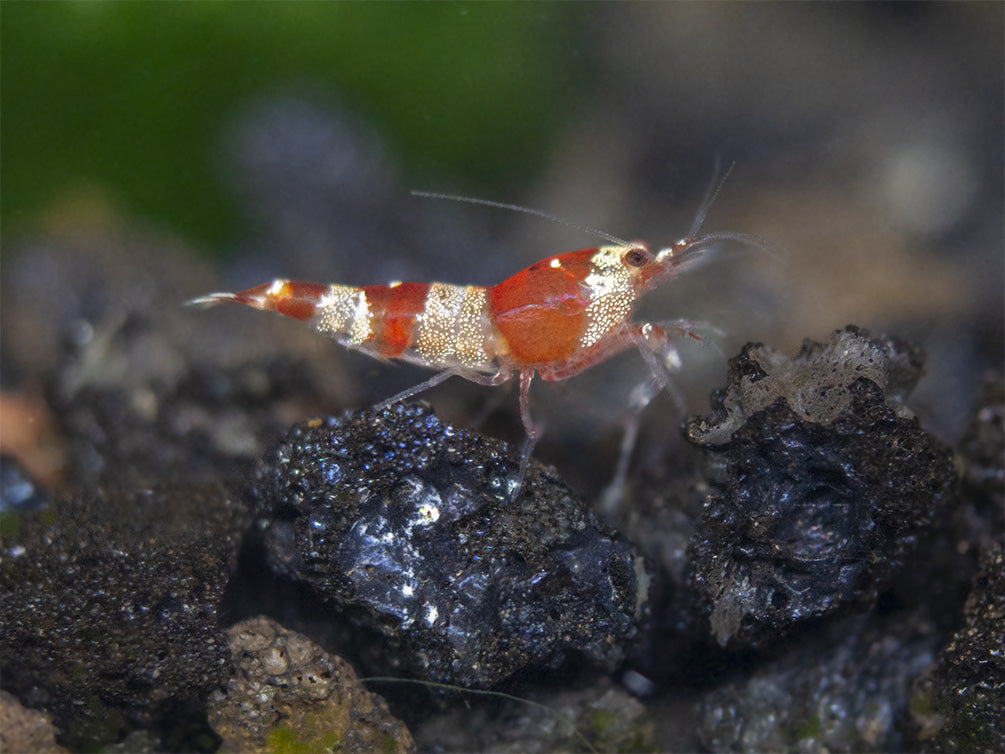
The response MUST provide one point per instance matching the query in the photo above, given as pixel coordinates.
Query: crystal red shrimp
(556, 318)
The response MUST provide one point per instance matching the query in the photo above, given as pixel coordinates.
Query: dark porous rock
(982, 450)
(958, 704)
(843, 689)
(667, 500)
(947, 555)
(821, 479)
(288, 694)
(983, 445)
(140, 387)
(108, 610)
(595, 715)
(204, 425)
(407, 523)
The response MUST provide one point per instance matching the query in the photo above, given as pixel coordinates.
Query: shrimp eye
(636, 257)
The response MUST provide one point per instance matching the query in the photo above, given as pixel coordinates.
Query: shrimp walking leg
(497, 378)
(640, 397)
(654, 343)
(532, 430)
(660, 356)
(657, 349)
(556, 318)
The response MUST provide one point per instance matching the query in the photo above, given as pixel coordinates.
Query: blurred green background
(128, 100)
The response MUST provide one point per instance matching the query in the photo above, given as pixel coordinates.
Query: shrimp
(554, 319)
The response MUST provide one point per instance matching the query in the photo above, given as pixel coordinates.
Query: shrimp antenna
(517, 208)
(711, 194)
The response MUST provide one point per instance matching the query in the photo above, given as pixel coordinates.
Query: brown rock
(23, 729)
(288, 692)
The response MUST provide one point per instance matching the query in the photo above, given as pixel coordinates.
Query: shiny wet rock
(407, 525)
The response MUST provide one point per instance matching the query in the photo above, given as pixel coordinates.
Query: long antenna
(711, 194)
(517, 208)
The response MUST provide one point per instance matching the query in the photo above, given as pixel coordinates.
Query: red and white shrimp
(556, 318)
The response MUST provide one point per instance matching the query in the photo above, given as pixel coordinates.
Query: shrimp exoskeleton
(556, 318)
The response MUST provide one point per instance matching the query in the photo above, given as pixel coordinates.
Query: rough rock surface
(821, 483)
(409, 523)
(596, 715)
(108, 608)
(982, 450)
(840, 690)
(983, 445)
(288, 694)
(958, 705)
(814, 383)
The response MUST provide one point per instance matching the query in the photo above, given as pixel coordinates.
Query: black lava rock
(821, 483)
(408, 523)
(840, 689)
(108, 609)
(982, 450)
(959, 704)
